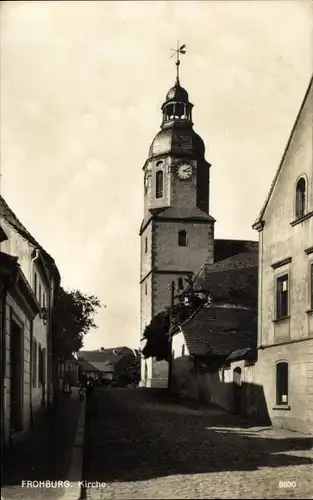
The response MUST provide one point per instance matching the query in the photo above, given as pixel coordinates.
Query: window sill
(301, 219)
(309, 311)
(282, 407)
(284, 318)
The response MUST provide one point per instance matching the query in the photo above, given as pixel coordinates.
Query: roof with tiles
(111, 355)
(220, 329)
(9, 216)
(237, 285)
(85, 366)
(223, 249)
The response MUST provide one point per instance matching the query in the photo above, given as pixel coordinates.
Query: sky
(81, 88)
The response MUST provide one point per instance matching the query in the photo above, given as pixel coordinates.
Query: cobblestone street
(142, 445)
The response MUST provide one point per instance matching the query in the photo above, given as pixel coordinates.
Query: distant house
(71, 367)
(101, 363)
(29, 279)
(285, 330)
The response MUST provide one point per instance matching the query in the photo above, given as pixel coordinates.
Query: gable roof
(85, 366)
(224, 249)
(101, 366)
(110, 356)
(10, 217)
(262, 212)
(239, 354)
(234, 280)
(220, 329)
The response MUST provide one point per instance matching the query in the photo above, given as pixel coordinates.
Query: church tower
(177, 231)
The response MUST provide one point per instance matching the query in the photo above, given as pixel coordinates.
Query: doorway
(16, 385)
(237, 390)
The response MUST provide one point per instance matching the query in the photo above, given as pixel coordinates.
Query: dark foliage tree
(127, 369)
(72, 317)
(157, 333)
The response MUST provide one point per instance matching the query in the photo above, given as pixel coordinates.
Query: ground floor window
(282, 383)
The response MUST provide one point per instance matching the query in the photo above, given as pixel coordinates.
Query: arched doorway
(237, 391)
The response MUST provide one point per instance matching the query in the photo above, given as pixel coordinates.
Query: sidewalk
(46, 452)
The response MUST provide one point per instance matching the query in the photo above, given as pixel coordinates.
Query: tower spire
(180, 50)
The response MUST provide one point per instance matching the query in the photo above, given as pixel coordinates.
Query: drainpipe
(3, 365)
(51, 385)
(37, 253)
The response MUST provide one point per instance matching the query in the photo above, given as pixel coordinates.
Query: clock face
(184, 171)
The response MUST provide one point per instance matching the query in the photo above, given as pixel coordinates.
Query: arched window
(182, 238)
(159, 184)
(180, 284)
(300, 198)
(282, 383)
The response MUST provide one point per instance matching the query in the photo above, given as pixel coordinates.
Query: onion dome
(177, 136)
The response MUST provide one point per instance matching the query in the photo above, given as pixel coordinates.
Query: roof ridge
(22, 231)
(284, 155)
(192, 315)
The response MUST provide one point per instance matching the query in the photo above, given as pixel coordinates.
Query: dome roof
(178, 141)
(177, 93)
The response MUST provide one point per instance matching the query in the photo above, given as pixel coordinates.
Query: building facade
(285, 325)
(27, 300)
(177, 231)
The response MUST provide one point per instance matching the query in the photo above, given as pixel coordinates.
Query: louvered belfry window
(159, 184)
(182, 238)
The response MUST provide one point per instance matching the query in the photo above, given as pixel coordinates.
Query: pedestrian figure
(89, 386)
(65, 384)
(82, 392)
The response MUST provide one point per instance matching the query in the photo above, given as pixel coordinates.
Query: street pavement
(139, 443)
(43, 455)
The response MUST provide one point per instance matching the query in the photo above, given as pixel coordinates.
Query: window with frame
(282, 296)
(180, 284)
(159, 184)
(182, 238)
(300, 198)
(34, 363)
(282, 383)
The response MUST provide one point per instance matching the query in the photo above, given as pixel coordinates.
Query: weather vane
(180, 50)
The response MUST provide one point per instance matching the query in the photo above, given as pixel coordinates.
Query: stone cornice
(302, 219)
(281, 263)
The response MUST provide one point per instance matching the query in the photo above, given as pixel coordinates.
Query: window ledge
(284, 318)
(282, 407)
(301, 219)
(309, 311)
